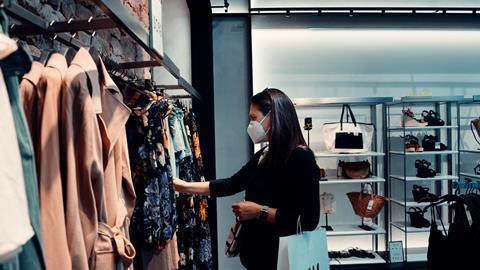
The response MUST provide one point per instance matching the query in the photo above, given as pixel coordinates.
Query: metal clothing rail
(118, 17)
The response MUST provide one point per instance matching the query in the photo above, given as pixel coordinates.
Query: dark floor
(406, 266)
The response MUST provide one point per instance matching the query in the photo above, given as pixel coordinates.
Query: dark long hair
(285, 132)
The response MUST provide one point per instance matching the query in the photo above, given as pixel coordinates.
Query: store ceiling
(364, 3)
(241, 6)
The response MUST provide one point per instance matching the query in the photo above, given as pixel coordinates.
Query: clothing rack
(118, 17)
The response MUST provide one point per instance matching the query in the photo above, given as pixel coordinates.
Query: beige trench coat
(52, 214)
(113, 248)
(82, 161)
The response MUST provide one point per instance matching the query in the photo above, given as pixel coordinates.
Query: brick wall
(111, 42)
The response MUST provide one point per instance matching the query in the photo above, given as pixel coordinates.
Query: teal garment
(14, 66)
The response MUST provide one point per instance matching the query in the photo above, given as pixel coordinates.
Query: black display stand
(327, 227)
(365, 227)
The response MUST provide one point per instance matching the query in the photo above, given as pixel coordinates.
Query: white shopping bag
(304, 251)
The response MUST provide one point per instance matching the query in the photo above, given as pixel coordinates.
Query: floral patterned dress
(154, 218)
(193, 236)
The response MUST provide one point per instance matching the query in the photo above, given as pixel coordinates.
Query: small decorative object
(308, 126)
(327, 206)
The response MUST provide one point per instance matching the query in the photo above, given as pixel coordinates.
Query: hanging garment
(169, 146)
(166, 259)
(29, 98)
(15, 230)
(203, 245)
(113, 249)
(47, 150)
(154, 218)
(82, 157)
(193, 234)
(14, 66)
(180, 141)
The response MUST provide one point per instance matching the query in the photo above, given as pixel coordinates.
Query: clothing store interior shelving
(343, 222)
(403, 174)
(469, 154)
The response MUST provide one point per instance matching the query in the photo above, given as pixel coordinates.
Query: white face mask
(256, 132)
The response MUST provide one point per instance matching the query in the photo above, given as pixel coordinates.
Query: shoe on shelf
(412, 145)
(339, 254)
(424, 170)
(409, 120)
(360, 253)
(422, 194)
(417, 218)
(431, 143)
(432, 118)
(477, 168)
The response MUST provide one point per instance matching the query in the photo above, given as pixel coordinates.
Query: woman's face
(257, 115)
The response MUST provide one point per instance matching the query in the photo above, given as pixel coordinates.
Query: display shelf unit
(425, 153)
(353, 229)
(470, 175)
(344, 155)
(403, 226)
(378, 158)
(355, 260)
(413, 203)
(427, 128)
(414, 178)
(471, 153)
(333, 181)
(444, 162)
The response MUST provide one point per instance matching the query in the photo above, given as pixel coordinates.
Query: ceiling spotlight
(319, 12)
(351, 13)
(414, 11)
(287, 14)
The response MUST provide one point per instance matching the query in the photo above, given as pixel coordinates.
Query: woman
(280, 182)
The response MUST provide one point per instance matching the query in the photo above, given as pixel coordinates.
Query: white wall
(176, 40)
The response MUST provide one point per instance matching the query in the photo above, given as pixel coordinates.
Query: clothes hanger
(70, 52)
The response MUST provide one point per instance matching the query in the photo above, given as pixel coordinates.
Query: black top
(293, 190)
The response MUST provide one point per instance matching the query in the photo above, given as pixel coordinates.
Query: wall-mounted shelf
(332, 181)
(430, 99)
(421, 128)
(470, 175)
(473, 151)
(413, 203)
(340, 155)
(414, 178)
(352, 229)
(355, 260)
(405, 227)
(333, 101)
(424, 153)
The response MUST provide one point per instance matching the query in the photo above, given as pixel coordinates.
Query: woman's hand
(180, 185)
(197, 188)
(246, 210)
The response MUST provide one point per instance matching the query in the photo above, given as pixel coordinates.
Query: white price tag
(370, 205)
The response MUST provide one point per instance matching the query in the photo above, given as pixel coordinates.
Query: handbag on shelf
(366, 205)
(232, 246)
(347, 137)
(354, 170)
(475, 124)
